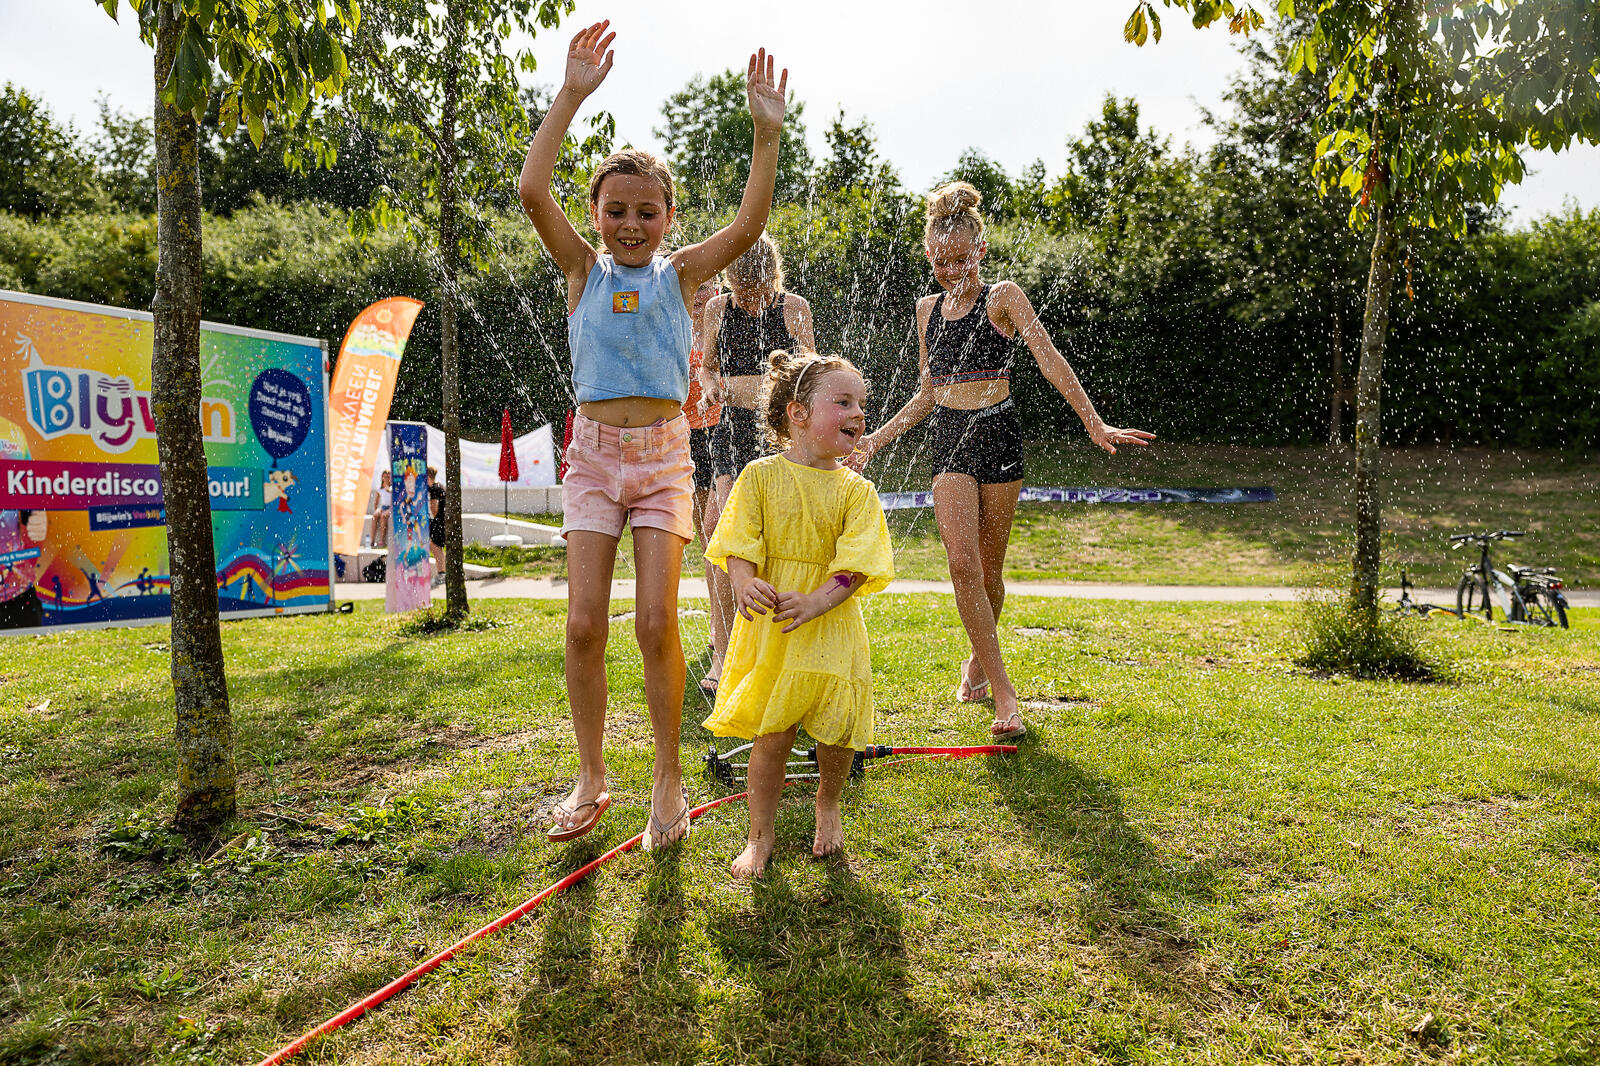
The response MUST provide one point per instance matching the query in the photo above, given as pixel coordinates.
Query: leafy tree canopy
(988, 177)
(853, 160)
(415, 56)
(1429, 109)
(708, 137)
(44, 170)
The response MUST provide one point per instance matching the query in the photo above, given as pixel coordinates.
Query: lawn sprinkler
(731, 774)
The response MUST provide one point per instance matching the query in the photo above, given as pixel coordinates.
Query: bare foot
(829, 839)
(752, 861)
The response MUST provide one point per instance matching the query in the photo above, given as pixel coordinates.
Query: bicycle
(1408, 605)
(1525, 594)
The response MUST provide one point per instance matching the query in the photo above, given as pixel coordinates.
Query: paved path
(543, 588)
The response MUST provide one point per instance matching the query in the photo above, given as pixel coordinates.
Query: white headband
(814, 360)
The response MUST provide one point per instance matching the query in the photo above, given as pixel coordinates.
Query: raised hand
(1108, 437)
(857, 460)
(766, 97)
(588, 59)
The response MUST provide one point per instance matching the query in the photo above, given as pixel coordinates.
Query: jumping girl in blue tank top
(628, 463)
(968, 335)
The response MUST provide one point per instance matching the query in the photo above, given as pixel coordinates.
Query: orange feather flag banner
(358, 406)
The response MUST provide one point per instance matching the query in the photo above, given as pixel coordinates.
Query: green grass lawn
(1305, 536)
(1202, 854)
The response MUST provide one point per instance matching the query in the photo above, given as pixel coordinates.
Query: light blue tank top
(630, 333)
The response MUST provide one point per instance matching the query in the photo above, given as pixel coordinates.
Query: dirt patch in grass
(1471, 823)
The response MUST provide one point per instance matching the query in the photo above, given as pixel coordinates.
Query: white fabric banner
(480, 463)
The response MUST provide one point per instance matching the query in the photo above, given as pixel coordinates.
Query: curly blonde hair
(794, 377)
(952, 209)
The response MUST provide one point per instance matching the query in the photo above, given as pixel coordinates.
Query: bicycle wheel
(1546, 606)
(1535, 607)
(1472, 597)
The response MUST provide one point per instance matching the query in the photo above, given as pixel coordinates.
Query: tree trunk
(455, 573)
(204, 727)
(1369, 388)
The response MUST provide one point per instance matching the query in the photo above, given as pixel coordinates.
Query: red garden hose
(410, 977)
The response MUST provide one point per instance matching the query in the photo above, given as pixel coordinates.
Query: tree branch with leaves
(1428, 113)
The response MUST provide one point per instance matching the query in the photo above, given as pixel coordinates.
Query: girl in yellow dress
(800, 536)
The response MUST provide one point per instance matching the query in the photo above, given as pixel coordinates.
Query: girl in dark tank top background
(740, 328)
(968, 335)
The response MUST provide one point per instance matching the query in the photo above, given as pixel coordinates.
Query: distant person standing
(383, 506)
(437, 521)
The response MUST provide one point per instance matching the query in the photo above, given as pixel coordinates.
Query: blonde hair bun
(953, 208)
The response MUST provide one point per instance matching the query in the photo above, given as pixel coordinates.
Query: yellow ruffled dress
(799, 525)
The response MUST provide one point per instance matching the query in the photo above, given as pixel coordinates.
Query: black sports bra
(969, 348)
(744, 340)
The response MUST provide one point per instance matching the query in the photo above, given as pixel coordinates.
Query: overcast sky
(1016, 78)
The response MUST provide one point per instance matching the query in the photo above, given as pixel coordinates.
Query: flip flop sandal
(557, 834)
(967, 692)
(655, 830)
(708, 685)
(1007, 731)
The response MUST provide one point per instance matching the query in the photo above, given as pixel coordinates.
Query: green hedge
(1501, 344)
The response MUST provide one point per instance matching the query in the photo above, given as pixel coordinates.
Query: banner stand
(409, 577)
(83, 539)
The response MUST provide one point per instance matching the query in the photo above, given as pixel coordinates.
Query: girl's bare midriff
(743, 390)
(972, 395)
(631, 410)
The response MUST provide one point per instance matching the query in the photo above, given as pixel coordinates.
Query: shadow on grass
(343, 729)
(649, 1013)
(351, 732)
(825, 977)
(1075, 813)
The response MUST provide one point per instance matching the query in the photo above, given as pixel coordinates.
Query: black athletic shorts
(985, 444)
(701, 451)
(738, 441)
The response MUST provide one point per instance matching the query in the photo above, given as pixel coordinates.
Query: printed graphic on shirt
(625, 303)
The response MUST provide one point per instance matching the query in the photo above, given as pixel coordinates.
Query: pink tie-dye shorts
(621, 475)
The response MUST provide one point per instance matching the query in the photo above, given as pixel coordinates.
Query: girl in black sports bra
(742, 327)
(969, 335)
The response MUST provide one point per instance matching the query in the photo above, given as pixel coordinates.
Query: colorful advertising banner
(899, 501)
(363, 386)
(83, 539)
(410, 568)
